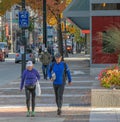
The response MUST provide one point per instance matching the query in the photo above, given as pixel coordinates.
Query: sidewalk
(26, 119)
(48, 115)
(45, 114)
(71, 113)
(105, 115)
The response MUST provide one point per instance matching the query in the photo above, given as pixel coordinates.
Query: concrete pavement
(26, 119)
(105, 115)
(48, 115)
(74, 107)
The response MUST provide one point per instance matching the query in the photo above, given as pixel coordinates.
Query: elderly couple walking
(57, 74)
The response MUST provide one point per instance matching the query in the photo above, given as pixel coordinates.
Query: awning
(79, 13)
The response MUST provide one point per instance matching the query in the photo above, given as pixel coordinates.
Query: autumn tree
(6, 5)
(54, 10)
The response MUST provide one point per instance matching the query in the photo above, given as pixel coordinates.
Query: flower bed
(110, 77)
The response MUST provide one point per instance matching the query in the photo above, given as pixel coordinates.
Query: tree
(6, 5)
(54, 10)
(78, 39)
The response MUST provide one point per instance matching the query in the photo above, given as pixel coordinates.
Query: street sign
(50, 31)
(22, 49)
(23, 19)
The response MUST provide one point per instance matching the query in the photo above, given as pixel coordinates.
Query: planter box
(105, 98)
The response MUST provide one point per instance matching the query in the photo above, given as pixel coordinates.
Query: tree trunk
(59, 34)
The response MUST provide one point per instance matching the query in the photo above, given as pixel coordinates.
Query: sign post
(23, 19)
(23, 24)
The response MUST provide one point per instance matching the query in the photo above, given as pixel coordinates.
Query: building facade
(98, 16)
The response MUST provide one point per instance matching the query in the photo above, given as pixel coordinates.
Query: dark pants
(45, 70)
(30, 91)
(59, 90)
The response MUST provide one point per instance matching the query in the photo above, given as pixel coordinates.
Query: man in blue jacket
(29, 79)
(57, 73)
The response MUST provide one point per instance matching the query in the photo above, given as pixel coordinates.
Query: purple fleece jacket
(29, 78)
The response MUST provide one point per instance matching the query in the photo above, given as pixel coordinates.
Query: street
(9, 71)
(75, 96)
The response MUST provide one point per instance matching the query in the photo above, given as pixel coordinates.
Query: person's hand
(69, 83)
(51, 79)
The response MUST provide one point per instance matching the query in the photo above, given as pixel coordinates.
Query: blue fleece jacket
(58, 69)
(29, 78)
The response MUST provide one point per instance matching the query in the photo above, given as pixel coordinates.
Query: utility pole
(11, 31)
(24, 43)
(44, 24)
(65, 31)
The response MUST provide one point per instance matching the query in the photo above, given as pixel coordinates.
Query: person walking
(57, 74)
(45, 59)
(29, 79)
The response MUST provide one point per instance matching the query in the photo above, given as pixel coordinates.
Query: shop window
(106, 6)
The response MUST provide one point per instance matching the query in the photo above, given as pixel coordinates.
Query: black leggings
(59, 90)
(29, 91)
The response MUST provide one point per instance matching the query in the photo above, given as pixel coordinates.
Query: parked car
(4, 47)
(2, 57)
(30, 56)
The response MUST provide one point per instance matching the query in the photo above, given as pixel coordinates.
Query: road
(9, 71)
(75, 96)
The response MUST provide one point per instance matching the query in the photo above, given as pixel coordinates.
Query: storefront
(97, 16)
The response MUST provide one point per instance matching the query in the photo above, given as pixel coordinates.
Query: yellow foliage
(68, 2)
(36, 5)
(70, 29)
(62, 26)
(51, 20)
(6, 5)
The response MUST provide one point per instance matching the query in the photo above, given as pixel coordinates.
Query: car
(2, 57)
(30, 56)
(4, 47)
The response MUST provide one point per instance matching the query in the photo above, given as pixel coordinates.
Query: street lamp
(23, 41)
(65, 30)
(11, 30)
(44, 24)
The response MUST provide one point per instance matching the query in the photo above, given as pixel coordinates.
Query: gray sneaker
(33, 114)
(28, 114)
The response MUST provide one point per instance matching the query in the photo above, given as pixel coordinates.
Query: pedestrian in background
(57, 74)
(45, 59)
(29, 79)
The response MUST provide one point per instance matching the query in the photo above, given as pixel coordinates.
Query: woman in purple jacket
(29, 79)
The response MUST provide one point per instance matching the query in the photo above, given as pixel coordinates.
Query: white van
(4, 47)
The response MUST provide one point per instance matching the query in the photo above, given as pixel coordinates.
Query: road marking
(77, 59)
(37, 105)
(69, 87)
(43, 95)
(49, 82)
(78, 72)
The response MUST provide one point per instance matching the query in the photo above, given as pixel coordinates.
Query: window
(106, 6)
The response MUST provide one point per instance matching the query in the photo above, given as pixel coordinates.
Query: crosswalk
(76, 95)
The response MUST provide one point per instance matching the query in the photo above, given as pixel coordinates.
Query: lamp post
(11, 30)
(24, 43)
(65, 30)
(44, 24)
